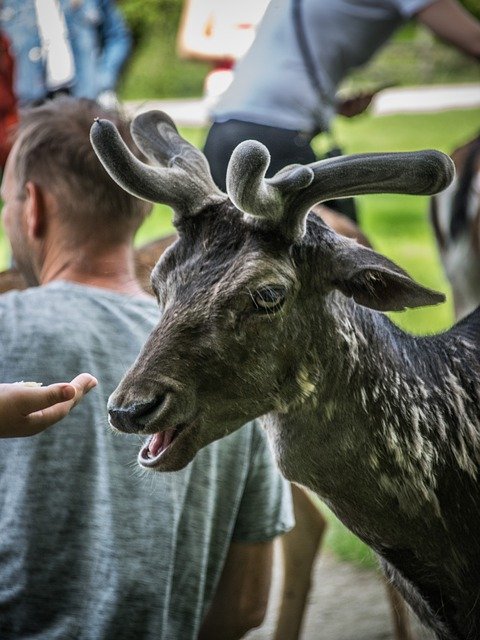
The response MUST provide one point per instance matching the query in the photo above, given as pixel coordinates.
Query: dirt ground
(346, 603)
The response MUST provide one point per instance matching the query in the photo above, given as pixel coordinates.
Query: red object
(8, 102)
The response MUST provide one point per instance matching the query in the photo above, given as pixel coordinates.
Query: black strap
(308, 60)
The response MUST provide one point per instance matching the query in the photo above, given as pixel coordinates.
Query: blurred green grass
(398, 226)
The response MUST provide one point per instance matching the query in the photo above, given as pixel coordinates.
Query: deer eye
(268, 299)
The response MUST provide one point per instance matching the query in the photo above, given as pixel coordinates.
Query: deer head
(248, 281)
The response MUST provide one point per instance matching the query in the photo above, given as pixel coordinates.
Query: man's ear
(378, 283)
(35, 211)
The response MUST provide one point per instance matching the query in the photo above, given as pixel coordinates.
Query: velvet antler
(284, 200)
(182, 176)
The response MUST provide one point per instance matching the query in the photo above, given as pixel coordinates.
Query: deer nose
(129, 419)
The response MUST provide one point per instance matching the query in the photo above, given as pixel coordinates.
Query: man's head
(55, 189)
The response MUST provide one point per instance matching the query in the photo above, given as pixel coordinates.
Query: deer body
(388, 448)
(268, 312)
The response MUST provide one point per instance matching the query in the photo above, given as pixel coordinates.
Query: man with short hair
(89, 549)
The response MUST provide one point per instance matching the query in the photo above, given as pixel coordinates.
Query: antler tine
(412, 173)
(128, 172)
(415, 173)
(157, 136)
(251, 192)
(182, 180)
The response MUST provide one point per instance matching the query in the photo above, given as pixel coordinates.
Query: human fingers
(66, 394)
(70, 395)
(28, 399)
(83, 383)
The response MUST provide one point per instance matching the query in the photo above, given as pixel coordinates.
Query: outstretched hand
(28, 410)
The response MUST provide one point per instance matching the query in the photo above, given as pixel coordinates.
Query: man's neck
(110, 268)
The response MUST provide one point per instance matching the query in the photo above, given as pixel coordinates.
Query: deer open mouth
(158, 446)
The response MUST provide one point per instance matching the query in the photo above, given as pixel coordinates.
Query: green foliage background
(473, 6)
(155, 70)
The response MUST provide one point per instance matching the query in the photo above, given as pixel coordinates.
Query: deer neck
(363, 430)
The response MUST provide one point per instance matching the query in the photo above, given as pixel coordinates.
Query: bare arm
(242, 594)
(451, 22)
(28, 410)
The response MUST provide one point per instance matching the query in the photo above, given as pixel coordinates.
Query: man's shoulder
(64, 290)
(16, 298)
(64, 302)
(70, 328)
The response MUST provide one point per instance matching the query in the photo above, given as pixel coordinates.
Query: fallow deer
(268, 312)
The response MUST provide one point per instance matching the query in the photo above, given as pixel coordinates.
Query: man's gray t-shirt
(271, 85)
(90, 547)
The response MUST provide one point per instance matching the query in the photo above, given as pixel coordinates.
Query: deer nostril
(129, 419)
(121, 419)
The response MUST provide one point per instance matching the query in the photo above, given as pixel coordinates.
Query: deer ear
(378, 283)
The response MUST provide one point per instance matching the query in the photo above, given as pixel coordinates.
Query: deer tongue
(160, 441)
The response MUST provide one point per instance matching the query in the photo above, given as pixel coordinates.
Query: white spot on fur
(306, 386)
(329, 409)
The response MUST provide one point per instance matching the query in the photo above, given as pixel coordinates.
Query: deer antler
(285, 199)
(251, 192)
(182, 178)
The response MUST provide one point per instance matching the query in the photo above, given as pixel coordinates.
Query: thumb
(81, 384)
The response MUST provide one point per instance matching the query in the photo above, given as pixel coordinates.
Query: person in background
(284, 89)
(8, 101)
(90, 550)
(77, 47)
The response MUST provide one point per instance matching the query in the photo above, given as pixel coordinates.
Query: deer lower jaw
(160, 446)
